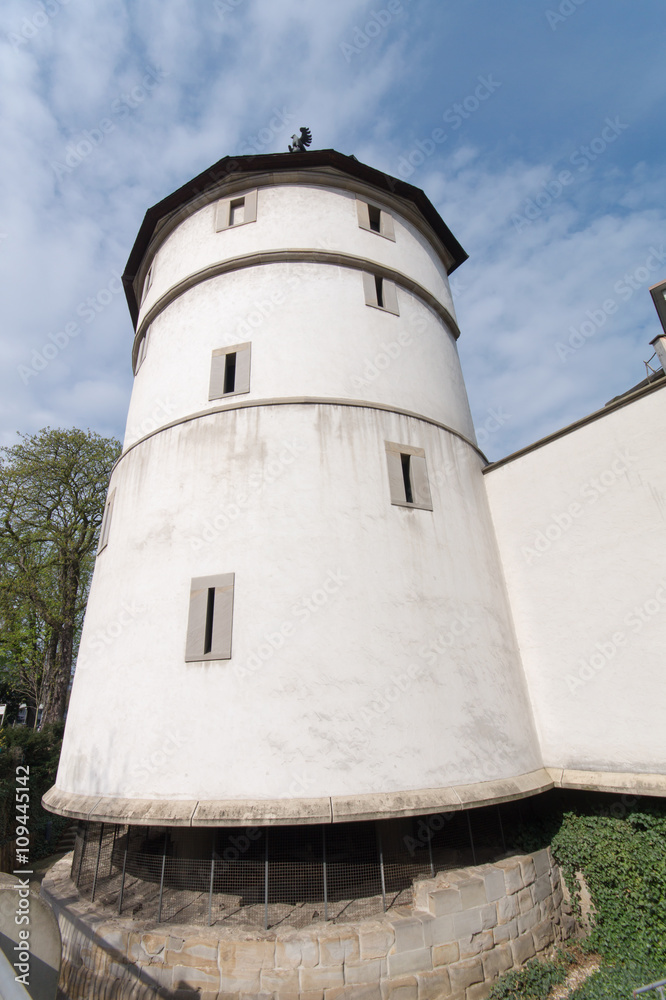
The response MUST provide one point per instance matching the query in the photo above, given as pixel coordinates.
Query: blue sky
(534, 126)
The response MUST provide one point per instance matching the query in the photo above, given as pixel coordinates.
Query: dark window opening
(406, 477)
(375, 216)
(379, 283)
(230, 373)
(210, 613)
(237, 212)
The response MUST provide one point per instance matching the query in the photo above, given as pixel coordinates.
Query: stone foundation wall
(464, 929)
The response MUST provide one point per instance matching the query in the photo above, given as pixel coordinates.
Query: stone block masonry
(465, 928)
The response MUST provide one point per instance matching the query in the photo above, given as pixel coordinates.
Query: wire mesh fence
(267, 876)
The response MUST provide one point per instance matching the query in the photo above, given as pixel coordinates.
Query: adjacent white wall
(581, 525)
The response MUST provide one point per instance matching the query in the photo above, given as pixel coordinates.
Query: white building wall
(373, 650)
(580, 523)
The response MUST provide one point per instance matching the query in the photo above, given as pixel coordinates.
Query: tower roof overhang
(231, 167)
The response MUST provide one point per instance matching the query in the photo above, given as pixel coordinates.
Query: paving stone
(489, 916)
(478, 992)
(433, 985)
(363, 972)
(408, 935)
(508, 908)
(338, 948)
(294, 953)
(321, 978)
(525, 901)
(352, 993)
(473, 893)
(541, 888)
(445, 901)
(376, 942)
(513, 878)
(527, 869)
(279, 981)
(445, 954)
(255, 955)
(464, 974)
(400, 989)
(185, 975)
(409, 961)
(153, 944)
(543, 935)
(523, 949)
(527, 921)
(494, 883)
(497, 961)
(541, 861)
(467, 922)
(470, 945)
(439, 930)
(505, 932)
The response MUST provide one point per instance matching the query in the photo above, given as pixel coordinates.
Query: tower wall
(374, 668)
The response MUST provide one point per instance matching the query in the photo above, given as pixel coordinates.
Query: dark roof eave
(234, 165)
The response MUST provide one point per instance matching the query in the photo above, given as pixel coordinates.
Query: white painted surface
(581, 527)
(332, 687)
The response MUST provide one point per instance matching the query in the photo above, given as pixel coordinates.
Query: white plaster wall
(581, 528)
(312, 335)
(294, 499)
(296, 216)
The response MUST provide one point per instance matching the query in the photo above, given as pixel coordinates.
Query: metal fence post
(471, 838)
(266, 878)
(210, 891)
(99, 851)
(381, 864)
(323, 848)
(122, 881)
(159, 905)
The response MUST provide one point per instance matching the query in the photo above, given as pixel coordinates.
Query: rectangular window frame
(106, 522)
(224, 213)
(218, 371)
(386, 227)
(210, 618)
(405, 460)
(388, 292)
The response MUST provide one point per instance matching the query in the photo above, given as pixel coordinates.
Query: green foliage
(52, 492)
(616, 982)
(624, 863)
(533, 982)
(40, 751)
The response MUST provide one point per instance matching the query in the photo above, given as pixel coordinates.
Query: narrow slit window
(230, 371)
(408, 476)
(106, 522)
(379, 290)
(210, 612)
(148, 280)
(210, 618)
(375, 219)
(380, 293)
(236, 211)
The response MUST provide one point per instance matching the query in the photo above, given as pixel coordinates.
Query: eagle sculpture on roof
(299, 142)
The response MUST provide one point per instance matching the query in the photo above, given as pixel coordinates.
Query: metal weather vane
(299, 142)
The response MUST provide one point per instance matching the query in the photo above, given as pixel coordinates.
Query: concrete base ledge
(286, 812)
(617, 782)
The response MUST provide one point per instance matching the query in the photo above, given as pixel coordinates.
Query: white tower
(298, 613)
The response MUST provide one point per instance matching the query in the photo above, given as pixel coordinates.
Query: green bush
(624, 864)
(533, 982)
(40, 751)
